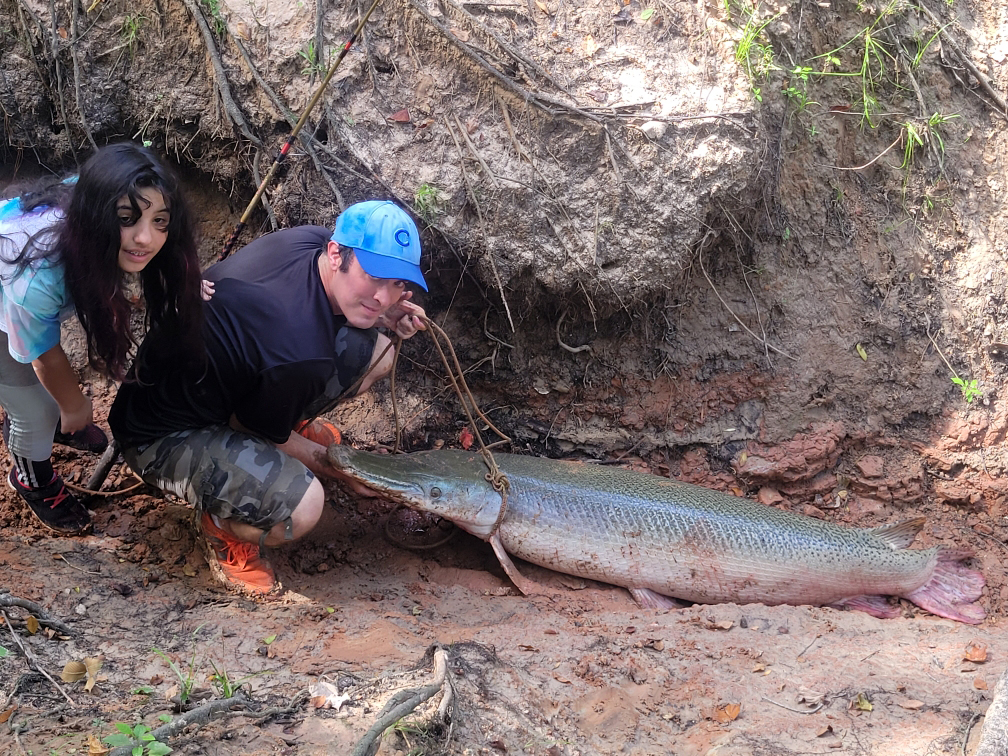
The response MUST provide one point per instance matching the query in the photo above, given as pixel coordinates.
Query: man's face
(360, 297)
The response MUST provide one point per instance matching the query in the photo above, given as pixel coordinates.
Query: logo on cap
(402, 237)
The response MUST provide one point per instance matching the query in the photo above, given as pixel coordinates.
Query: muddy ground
(776, 284)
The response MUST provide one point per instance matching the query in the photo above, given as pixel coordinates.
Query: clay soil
(796, 349)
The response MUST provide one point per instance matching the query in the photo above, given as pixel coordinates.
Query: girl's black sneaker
(90, 438)
(53, 504)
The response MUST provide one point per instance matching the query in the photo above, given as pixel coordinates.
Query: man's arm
(310, 454)
(60, 379)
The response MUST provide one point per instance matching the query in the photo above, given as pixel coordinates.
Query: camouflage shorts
(226, 473)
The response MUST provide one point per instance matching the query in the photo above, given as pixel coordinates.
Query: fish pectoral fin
(876, 606)
(521, 582)
(648, 599)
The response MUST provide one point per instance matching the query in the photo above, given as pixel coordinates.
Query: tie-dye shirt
(34, 303)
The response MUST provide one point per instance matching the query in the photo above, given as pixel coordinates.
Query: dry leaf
(400, 116)
(62, 32)
(759, 668)
(542, 7)
(73, 671)
(189, 571)
(95, 747)
(32, 624)
(92, 664)
(827, 730)
(810, 697)
(976, 652)
(911, 704)
(861, 703)
(5, 715)
(727, 713)
(979, 683)
(590, 45)
(523, 647)
(560, 679)
(723, 625)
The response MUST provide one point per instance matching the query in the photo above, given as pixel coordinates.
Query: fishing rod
(293, 135)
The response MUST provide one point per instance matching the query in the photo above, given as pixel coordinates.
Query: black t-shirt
(276, 352)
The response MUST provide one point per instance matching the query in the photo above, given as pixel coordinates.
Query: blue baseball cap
(384, 239)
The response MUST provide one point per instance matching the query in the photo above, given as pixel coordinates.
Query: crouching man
(290, 328)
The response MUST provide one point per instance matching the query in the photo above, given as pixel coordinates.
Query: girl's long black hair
(87, 241)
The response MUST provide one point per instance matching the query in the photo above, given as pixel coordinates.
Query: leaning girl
(67, 248)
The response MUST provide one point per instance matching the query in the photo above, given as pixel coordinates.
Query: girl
(66, 248)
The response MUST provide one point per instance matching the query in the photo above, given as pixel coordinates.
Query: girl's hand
(207, 290)
(77, 418)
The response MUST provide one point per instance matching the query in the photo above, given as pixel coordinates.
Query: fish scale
(642, 531)
(654, 534)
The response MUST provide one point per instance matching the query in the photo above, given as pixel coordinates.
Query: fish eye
(435, 492)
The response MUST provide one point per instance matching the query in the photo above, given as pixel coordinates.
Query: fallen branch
(198, 716)
(59, 77)
(8, 600)
(230, 106)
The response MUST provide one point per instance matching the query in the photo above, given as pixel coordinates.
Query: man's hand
(404, 317)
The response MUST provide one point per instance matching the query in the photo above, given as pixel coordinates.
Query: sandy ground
(579, 671)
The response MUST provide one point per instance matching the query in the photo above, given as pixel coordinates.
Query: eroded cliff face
(669, 228)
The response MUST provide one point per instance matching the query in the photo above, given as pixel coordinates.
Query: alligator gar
(663, 538)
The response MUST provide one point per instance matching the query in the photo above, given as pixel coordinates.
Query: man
(289, 329)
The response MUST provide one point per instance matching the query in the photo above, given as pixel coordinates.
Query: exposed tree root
(230, 106)
(198, 716)
(404, 703)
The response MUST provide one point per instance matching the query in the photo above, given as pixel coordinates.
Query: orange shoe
(237, 564)
(320, 431)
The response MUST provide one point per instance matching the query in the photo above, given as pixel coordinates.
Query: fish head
(449, 483)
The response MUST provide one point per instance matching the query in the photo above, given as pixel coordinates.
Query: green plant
(219, 24)
(312, 63)
(129, 32)
(920, 132)
(138, 737)
(970, 391)
(222, 683)
(427, 203)
(871, 55)
(3, 652)
(754, 52)
(187, 680)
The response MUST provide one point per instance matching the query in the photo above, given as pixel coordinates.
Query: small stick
(31, 660)
(8, 600)
(862, 167)
(796, 711)
(472, 148)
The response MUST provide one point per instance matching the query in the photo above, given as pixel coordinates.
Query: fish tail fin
(900, 535)
(952, 589)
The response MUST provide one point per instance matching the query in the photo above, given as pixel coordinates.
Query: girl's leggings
(32, 413)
